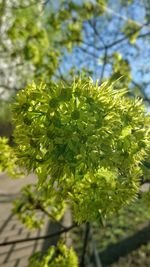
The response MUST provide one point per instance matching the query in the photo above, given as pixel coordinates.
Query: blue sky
(138, 55)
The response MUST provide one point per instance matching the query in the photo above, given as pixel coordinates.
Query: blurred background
(43, 40)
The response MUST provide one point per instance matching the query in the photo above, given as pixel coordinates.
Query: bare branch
(104, 65)
(87, 231)
(16, 241)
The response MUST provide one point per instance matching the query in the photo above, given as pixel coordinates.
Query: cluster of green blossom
(55, 257)
(86, 141)
(8, 160)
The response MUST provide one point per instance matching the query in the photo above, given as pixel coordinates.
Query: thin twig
(93, 26)
(39, 206)
(16, 241)
(103, 66)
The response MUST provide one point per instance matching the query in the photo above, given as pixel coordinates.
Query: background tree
(70, 36)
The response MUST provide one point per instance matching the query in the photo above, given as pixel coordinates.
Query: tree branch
(87, 231)
(103, 66)
(16, 241)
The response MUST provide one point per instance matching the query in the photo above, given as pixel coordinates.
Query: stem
(103, 66)
(40, 207)
(87, 231)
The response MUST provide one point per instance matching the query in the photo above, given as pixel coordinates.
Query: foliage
(5, 119)
(137, 258)
(8, 160)
(32, 39)
(37, 49)
(131, 30)
(55, 257)
(32, 201)
(62, 31)
(124, 72)
(5, 113)
(86, 142)
(125, 223)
